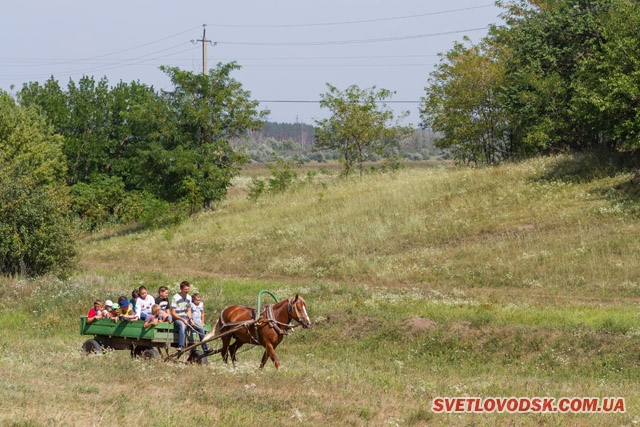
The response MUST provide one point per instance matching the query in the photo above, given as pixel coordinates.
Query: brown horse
(268, 331)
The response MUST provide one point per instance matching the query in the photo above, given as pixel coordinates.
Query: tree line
(558, 76)
(89, 154)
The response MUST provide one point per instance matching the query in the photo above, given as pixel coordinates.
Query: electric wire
(354, 22)
(340, 42)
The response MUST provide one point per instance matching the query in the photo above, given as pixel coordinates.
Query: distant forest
(287, 140)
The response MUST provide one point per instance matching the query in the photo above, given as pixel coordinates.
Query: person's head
(121, 300)
(196, 298)
(155, 309)
(184, 287)
(124, 305)
(142, 292)
(97, 304)
(163, 291)
(135, 294)
(107, 304)
(114, 308)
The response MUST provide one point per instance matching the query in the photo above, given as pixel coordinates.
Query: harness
(266, 317)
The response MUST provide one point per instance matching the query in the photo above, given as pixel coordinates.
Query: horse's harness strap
(268, 317)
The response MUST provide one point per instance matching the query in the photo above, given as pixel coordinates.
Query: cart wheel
(91, 347)
(197, 356)
(151, 354)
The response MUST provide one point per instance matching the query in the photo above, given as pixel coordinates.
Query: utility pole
(204, 41)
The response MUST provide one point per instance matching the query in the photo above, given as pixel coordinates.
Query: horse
(268, 331)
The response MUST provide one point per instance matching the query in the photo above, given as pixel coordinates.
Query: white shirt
(144, 305)
(197, 313)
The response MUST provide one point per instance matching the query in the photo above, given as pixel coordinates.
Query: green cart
(140, 341)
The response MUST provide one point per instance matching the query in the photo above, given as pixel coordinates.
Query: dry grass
(514, 281)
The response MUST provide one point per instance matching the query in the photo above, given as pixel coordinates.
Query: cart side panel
(161, 333)
(122, 329)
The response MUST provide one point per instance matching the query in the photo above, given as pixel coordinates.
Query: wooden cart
(140, 341)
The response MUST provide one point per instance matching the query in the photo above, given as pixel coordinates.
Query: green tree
(211, 109)
(35, 233)
(548, 42)
(462, 103)
(608, 82)
(361, 125)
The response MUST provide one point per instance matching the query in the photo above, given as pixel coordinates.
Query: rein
(267, 317)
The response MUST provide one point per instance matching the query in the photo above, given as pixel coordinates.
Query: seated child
(153, 318)
(114, 314)
(134, 298)
(106, 311)
(126, 310)
(163, 301)
(144, 303)
(95, 312)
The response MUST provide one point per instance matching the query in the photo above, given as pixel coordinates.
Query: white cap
(108, 303)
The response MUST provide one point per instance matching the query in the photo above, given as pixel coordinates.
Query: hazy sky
(288, 49)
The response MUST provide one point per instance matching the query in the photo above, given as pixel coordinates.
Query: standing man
(181, 312)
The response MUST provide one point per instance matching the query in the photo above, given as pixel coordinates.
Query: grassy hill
(520, 280)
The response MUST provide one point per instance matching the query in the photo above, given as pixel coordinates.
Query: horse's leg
(265, 356)
(270, 349)
(233, 350)
(224, 351)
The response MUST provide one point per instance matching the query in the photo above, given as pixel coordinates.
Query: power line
(36, 62)
(128, 49)
(335, 42)
(353, 22)
(108, 66)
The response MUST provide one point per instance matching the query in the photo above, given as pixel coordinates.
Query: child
(197, 313)
(144, 303)
(152, 319)
(126, 310)
(114, 313)
(134, 298)
(163, 301)
(95, 312)
(106, 311)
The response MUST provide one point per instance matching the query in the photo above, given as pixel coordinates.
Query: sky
(288, 49)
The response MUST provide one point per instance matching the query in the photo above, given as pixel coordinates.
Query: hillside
(515, 281)
(511, 226)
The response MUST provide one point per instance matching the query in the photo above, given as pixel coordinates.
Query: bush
(35, 233)
(97, 204)
(36, 236)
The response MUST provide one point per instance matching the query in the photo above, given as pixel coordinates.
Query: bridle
(298, 315)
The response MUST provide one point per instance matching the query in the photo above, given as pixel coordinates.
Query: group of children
(183, 310)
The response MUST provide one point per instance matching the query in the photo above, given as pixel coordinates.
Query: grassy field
(515, 281)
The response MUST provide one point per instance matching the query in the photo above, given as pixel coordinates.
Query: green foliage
(282, 175)
(557, 76)
(35, 234)
(211, 110)
(256, 188)
(282, 178)
(129, 139)
(462, 104)
(359, 127)
(97, 203)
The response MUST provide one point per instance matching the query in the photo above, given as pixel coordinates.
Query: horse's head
(298, 311)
